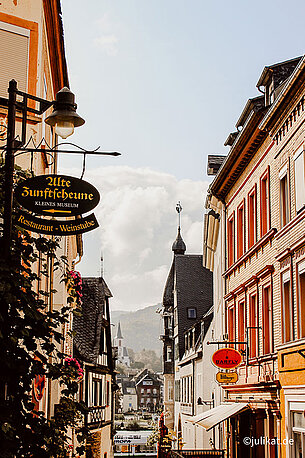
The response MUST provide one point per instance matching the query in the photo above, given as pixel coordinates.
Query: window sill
(261, 242)
(291, 344)
(299, 217)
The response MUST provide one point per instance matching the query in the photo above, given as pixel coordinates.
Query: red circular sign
(226, 358)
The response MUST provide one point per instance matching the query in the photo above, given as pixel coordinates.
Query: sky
(163, 82)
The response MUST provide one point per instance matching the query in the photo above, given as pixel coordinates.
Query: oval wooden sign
(226, 358)
(226, 377)
(57, 195)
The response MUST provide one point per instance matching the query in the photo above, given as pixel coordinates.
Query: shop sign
(57, 195)
(52, 227)
(226, 377)
(130, 439)
(226, 358)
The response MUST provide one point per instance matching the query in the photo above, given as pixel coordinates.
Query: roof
(254, 104)
(194, 289)
(119, 332)
(168, 298)
(88, 325)
(214, 163)
(281, 71)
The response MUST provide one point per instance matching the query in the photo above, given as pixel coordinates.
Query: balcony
(196, 453)
(96, 416)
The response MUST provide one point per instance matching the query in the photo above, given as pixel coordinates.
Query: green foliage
(29, 346)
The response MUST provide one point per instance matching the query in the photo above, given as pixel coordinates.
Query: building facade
(260, 186)
(92, 347)
(32, 53)
(187, 298)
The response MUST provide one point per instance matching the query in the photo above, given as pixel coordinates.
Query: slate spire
(179, 246)
(119, 332)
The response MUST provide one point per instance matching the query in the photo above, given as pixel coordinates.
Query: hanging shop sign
(57, 195)
(226, 358)
(52, 227)
(226, 377)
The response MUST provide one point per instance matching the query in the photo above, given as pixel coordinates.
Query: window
(252, 217)
(177, 390)
(107, 393)
(240, 230)
(267, 320)
(231, 324)
(142, 390)
(287, 310)
(241, 324)
(192, 313)
(230, 230)
(301, 298)
(14, 42)
(284, 205)
(170, 391)
(299, 177)
(265, 206)
(168, 353)
(253, 331)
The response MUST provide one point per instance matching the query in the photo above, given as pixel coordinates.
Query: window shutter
(299, 176)
(14, 55)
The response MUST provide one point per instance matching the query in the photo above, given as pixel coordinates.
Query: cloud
(138, 224)
(108, 43)
(107, 39)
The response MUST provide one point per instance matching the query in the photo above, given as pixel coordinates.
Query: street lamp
(64, 119)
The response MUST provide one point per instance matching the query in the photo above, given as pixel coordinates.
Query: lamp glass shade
(64, 128)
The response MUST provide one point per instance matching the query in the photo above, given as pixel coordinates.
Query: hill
(140, 329)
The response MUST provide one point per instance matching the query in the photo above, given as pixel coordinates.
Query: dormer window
(192, 313)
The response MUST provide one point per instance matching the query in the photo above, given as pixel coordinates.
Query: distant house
(92, 347)
(129, 401)
(149, 392)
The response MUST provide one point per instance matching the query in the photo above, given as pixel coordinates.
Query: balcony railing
(96, 416)
(196, 453)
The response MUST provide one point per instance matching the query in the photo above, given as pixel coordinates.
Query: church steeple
(179, 246)
(119, 332)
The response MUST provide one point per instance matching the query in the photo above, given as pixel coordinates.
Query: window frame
(253, 323)
(188, 313)
(240, 230)
(267, 322)
(287, 273)
(284, 200)
(300, 270)
(242, 323)
(300, 151)
(231, 239)
(231, 321)
(265, 202)
(252, 194)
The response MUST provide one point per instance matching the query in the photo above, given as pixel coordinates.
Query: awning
(213, 417)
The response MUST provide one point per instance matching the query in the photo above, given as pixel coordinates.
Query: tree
(30, 341)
